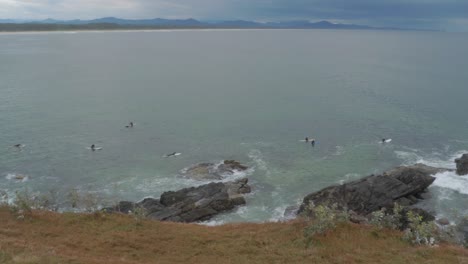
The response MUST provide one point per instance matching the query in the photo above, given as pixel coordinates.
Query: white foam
(213, 223)
(225, 177)
(278, 214)
(339, 151)
(257, 157)
(6, 197)
(452, 181)
(434, 159)
(349, 177)
(17, 177)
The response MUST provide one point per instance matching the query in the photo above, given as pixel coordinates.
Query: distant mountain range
(186, 23)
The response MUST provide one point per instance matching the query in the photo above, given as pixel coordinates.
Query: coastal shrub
(48, 201)
(381, 219)
(3, 198)
(88, 202)
(23, 204)
(139, 214)
(449, 234)
(323, 218)
(73, 198)
(419, 232)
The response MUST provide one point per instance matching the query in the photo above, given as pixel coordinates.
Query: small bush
(88, 201)
(48, 201)
(23, 204)
(419, 232)
(139, 214)
(3, 198)
(381, 219)
(73, 198)
(323, 218)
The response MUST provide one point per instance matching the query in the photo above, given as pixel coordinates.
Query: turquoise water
(248, 95)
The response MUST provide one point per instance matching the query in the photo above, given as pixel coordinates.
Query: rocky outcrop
(191, 204)
(462, 231)
(462, 165)
(212, 171)
(403, 185)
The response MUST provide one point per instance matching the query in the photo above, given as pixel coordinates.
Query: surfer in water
(384, 140)
(17, 145)
(129, 125)
(93, 147)
(307, 139)
(171, 155)
(312, 142)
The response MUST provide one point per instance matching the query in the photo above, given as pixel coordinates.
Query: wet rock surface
(462, 165)
(213, 171)
(404, 185)
(190, 204)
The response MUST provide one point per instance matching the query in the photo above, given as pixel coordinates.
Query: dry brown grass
(99, 238)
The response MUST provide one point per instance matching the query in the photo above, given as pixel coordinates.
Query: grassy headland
(46, 237)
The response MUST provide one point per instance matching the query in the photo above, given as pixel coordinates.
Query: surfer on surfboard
(93, 147)
(172, 154)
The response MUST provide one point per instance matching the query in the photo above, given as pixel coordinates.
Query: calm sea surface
(248, 95)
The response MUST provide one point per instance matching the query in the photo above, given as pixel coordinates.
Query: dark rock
(125, 207)
(291, 211)
(462, 165)
(238, 187)
(357, 219)
(462, 230)
(403, 201)
(376, 191)
(212, 171)
(192, 204)
(151, 204)
(231, 165)
(443, 221)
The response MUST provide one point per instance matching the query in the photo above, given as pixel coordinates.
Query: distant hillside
(157, 23)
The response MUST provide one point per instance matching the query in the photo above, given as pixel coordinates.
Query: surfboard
(96, 148)
(172, 155)
(386, 141)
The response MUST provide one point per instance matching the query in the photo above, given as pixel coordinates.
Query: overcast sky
(437, 14)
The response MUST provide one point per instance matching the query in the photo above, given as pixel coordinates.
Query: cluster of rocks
(190, 204)
(213, 171)
(402, 185)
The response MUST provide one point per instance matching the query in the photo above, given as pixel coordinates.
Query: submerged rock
(403, 185)
(212, 171)
(443, 221)
(191, 204)
(462, 165)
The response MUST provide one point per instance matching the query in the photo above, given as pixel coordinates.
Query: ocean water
(248, 95)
